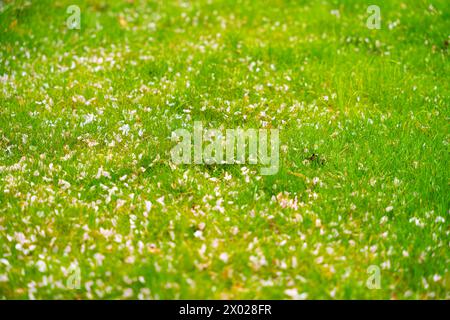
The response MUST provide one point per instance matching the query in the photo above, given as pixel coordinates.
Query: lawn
(93, 207)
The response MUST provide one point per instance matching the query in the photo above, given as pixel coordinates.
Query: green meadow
(93, 207)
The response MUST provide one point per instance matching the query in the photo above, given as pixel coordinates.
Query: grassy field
(89, 194)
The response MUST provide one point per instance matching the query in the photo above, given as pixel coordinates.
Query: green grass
(381, 138)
